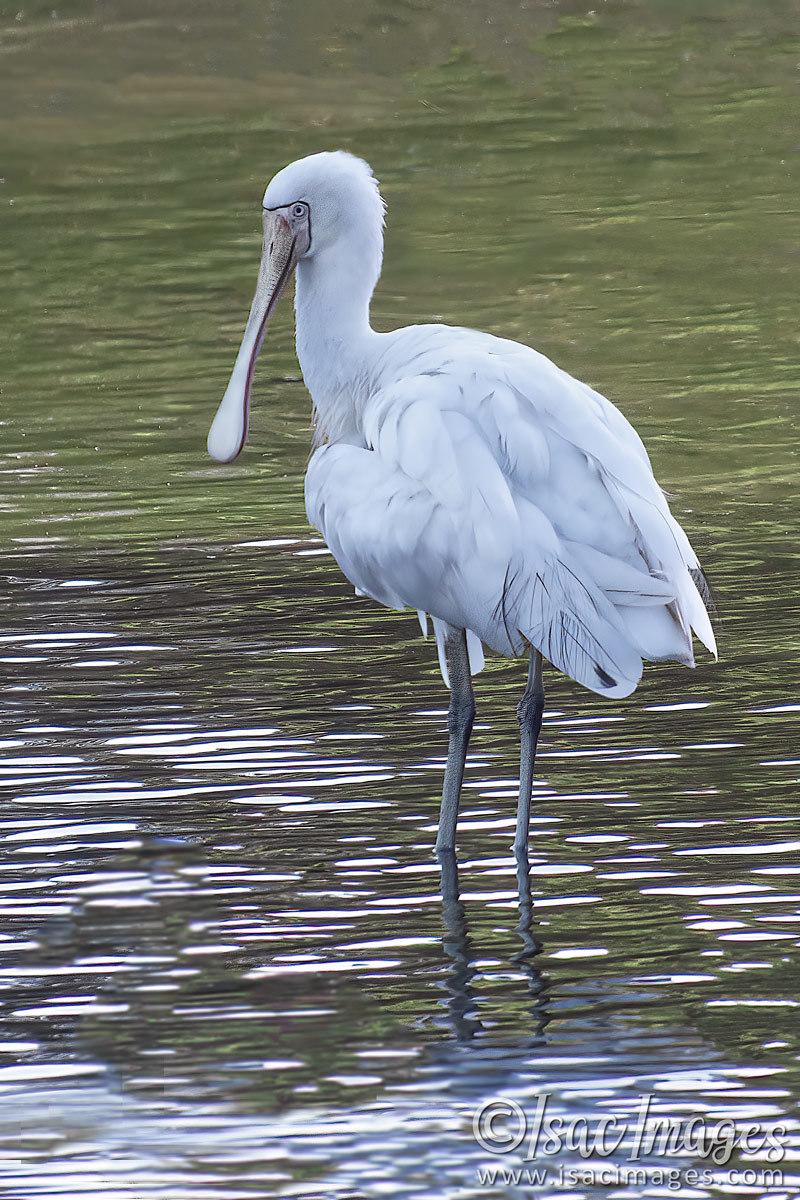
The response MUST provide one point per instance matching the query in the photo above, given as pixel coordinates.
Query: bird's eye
(299, 210)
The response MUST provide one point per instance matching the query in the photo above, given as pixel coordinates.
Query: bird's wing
(411, 508)
(593, 477)
(424, 516)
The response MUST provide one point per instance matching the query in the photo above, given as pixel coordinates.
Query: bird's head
(308, 207)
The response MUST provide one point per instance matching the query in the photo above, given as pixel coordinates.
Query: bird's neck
(335, 341)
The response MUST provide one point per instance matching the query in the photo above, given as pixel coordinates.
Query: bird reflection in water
(457, 945)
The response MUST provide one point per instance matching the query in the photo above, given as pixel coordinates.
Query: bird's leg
(529, 715)
(459, 723)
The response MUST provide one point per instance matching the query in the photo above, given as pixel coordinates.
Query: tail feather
(574, 626)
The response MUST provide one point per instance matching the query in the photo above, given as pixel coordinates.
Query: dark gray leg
(459, 723)
(529, 715)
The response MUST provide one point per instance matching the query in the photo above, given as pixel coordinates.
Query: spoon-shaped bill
(228, 432)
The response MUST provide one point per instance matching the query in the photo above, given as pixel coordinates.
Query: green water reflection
(621, 194)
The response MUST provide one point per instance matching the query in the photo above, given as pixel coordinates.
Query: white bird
(465, 476)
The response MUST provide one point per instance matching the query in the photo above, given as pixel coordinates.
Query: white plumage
(461, 474)
(499, 495)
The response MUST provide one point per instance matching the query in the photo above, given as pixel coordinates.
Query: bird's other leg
(459, 723)
(529, 715)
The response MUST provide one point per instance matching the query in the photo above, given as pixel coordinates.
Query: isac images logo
(639, 1147)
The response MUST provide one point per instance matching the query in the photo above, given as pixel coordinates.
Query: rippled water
(229, 965)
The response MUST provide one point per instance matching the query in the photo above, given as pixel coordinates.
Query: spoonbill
(465, 476)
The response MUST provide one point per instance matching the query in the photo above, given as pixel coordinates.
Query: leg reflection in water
(458, 947)
(462, 1004)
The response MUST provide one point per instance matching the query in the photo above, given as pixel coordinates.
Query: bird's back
(500, 495)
